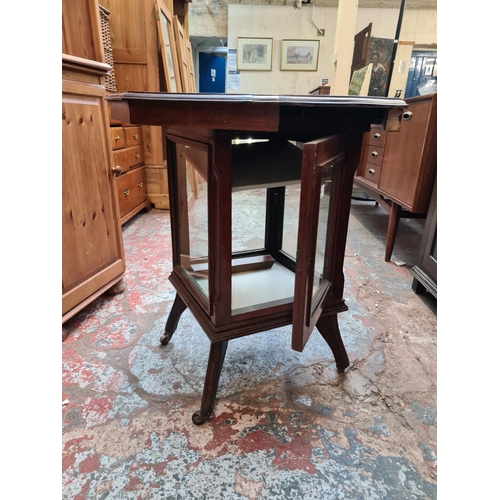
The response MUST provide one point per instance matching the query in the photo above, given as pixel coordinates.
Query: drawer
(135, 156)
(372, 154)
(117, 137)
(376, 136)
(120, 159)
(128, 158)
(371, 172)
(133, 136)
(132, 190)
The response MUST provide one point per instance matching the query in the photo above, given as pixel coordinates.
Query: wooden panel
(117, 137)
(131, 77)
(410, 156)
(90, 235)
(157, 187)
(81, 29)
(127, 23)
(134, 183)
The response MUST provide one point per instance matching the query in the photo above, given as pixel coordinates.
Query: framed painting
(299, 55)
(168, 49)
(255, 54)
(381, 58)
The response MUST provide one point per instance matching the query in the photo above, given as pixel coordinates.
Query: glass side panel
(248, 219)
(192, 208)
(324, 204)
(291, 220)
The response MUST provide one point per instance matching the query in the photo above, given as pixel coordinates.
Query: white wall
(282, 22)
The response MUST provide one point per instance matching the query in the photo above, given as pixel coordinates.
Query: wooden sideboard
(398, 169)
(93, 257)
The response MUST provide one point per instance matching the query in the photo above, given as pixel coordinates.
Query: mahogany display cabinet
(302, 151)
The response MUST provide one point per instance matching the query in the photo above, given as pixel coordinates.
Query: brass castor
(198, 418)
(165, 339)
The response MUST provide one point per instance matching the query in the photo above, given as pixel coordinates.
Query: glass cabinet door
(189, 209)
(323, 163)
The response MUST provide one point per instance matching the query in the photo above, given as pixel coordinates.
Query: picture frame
(254, 54)
(299, 55)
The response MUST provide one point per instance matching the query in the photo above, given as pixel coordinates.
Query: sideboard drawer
(372, 154)
(132, 190)
(371, 172)
(133, 136)
(376, 136)
(117, 137)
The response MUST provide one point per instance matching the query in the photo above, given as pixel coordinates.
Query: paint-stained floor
(286, 425)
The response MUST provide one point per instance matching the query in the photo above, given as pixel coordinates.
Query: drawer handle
(117, 138)
(137, 155)
(126, 191)
(117, 170)
(371, 171)
(140, 184)
(134, 136)
(407, 115)
(374, 154)
(376, 136)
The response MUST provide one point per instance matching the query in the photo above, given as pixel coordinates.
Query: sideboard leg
(178, 308)
(392, 229)
(329, 328)
(214, 367)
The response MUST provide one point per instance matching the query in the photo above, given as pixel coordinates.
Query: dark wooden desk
(314, 141)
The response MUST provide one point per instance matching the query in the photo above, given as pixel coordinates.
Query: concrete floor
(286, 425)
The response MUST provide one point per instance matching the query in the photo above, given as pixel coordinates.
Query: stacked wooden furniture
(398, 169)
(136, 44)
(93, 258)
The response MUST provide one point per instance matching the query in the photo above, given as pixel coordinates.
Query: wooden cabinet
(425, 272)
(93, 257)
(398, 169)
(128, 161)
(276, 280)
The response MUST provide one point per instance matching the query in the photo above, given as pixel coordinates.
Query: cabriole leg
(329, 328)
(215, 361)
(173, 319)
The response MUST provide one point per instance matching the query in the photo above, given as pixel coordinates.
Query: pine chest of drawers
(128, 165)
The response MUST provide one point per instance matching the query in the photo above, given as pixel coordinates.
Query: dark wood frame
(331, 129)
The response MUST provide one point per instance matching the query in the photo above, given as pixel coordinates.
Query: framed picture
(255, 54)
(299, 55)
